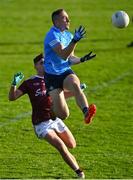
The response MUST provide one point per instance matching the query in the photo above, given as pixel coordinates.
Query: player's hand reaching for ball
(87, 57)
(79, 34)
(17, 78)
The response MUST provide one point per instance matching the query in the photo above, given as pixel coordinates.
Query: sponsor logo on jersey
(40, 93)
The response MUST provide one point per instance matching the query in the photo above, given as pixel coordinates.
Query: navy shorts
(55, 81)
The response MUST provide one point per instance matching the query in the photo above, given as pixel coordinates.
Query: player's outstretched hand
(87, 57)
(79, 34)
(17, 78)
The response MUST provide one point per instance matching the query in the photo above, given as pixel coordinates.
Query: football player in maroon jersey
(45, 125)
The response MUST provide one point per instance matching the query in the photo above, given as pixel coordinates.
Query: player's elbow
(64, 55)
(11, 98)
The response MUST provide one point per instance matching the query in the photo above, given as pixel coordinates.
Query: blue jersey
(54, 64)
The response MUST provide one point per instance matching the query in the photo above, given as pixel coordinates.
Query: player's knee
(71, 145)
(76, 87)
(63, 115)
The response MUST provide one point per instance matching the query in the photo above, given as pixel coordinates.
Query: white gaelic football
(120, 19)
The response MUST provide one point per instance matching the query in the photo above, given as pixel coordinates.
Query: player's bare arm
(14, 93)
(66, 52)
(76, 60)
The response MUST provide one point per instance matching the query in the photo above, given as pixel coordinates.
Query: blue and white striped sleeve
(53, 40)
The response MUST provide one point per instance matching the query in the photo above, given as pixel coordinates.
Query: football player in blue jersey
(59, 45)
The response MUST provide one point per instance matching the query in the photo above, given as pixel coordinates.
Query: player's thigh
(53, 139)
(58, 99)
(68, 138)
(59, 106)
(71, 82)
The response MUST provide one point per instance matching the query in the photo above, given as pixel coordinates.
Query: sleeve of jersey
(54, 40)
(23, 87)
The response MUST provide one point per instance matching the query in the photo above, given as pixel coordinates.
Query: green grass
(104, 149)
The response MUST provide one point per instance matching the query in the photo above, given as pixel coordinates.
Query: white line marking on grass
(19, 117)
(113, 81)
(98, 87)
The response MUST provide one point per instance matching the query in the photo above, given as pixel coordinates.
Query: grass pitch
(104, 149)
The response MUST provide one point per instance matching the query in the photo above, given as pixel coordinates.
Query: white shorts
(44, 127)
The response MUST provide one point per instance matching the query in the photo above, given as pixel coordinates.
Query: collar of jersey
(56, 29)
(39, 76)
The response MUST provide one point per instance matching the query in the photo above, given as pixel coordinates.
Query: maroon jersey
(41, 104)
